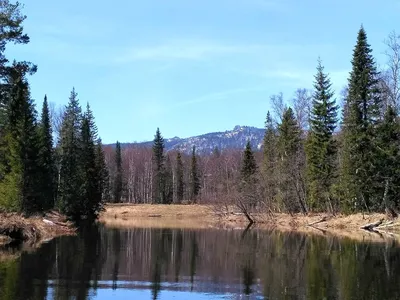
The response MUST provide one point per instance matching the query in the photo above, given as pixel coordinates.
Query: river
(145, 263)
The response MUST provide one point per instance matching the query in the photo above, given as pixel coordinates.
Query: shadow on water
(153, 263)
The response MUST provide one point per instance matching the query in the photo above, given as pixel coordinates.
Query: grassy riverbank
(204, 216)
(35, 229)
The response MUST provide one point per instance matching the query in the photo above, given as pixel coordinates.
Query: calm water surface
(106, 263)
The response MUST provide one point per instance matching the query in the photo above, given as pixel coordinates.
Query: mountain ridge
(207, 142)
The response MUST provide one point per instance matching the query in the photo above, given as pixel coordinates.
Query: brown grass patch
(205, 216)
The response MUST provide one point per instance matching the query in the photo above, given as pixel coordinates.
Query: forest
(319, 153)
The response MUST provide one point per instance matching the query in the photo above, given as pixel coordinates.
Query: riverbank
(33, 230)
(207, 216)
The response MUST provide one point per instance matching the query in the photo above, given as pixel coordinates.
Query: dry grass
(204, 216)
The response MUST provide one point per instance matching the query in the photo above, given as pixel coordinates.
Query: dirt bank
(33, 230)
(203, 216)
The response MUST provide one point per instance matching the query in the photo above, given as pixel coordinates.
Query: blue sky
(187, 66)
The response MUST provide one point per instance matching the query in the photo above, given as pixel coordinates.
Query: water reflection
(104, 263)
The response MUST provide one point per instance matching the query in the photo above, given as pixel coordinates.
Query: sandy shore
(204, 216)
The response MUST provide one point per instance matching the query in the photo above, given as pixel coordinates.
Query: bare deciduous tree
(392, 74)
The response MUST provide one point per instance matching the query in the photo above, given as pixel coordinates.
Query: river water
(144, 263)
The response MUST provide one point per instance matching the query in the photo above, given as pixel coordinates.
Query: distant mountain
(206, 143)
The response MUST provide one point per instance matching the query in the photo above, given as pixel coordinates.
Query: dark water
(104, 263)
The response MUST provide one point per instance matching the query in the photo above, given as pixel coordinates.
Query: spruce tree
(90, 189)
(363, 113)
(158, 168)
(291, 186)
(19, 186)
(194, 177)
(321, 146)
(388, 168)
(70, 177)
(269, 160)
(179, 178)
(118, 185)
(249, 166)
(46, 160)
(103, 173)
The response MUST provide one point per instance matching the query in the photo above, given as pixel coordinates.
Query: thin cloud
(220, 95)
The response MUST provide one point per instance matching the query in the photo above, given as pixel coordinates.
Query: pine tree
(102, 171)
(363, 113)
(158, 168)
(180, 186)
(321, 147)
(269, 160)
(90, 173)
(291, 168)
(249, 166)
(70, 178)
(19, 185)
(118, 184)
(194, 177)
(388, 169)
(46, 160)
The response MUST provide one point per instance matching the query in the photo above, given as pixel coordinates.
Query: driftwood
(372, 226)
(324, 219)
(154, 216)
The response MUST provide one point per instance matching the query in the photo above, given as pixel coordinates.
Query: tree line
(38, 173)
(317, 155)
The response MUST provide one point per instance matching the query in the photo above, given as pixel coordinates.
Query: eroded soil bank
(207, 216)
(33, 230)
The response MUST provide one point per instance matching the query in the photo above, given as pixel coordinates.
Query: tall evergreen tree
(102, 171)
(70, 178)
(194, 177)
(46, 160)
(249, 166)
(269, 160)
(388, 169)
(118, 184)
(321, 147)
(289, 147)
(19, 185)
(180, 186)
(363, 113)
(90, 174)
(158, 168)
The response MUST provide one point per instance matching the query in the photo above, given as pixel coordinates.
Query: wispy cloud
(222, 95)
(185, 50)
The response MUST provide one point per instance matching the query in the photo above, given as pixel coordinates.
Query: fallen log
(324, 219)
(154, 216)
(371, 226)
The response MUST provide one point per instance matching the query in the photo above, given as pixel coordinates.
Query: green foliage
(180, 185)
(118, 184)
(158, 168)
(70, 182)
(249, 166)
(46, 159)
(363, 110)
(102, 169)
(291, 167)
(194, 177)
(269, 160)
(321, 147)
(19, 186)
